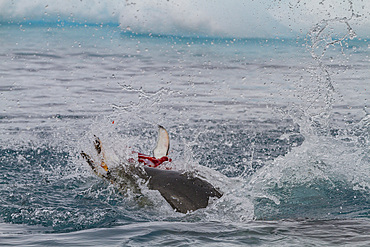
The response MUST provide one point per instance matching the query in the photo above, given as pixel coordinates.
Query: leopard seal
(184, 191)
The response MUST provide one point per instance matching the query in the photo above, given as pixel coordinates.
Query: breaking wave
(238, 19)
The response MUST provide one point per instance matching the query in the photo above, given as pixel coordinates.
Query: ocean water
(274, 113)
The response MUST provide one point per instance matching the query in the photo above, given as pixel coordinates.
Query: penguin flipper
(163, 143)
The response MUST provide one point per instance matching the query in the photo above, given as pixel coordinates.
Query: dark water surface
(308, 233)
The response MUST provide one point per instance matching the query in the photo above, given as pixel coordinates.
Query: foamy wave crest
(79, 11)
(233, 18)
(323, 178)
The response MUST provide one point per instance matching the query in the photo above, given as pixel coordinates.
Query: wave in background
(239, 19)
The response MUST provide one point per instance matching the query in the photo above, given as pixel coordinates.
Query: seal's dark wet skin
(182, 191)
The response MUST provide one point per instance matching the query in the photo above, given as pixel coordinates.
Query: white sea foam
(233, 18)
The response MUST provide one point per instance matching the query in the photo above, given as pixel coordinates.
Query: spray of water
(327, 171)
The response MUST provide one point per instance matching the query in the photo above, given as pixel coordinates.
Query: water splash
(320, 38)
(325, 177)
(317, 92)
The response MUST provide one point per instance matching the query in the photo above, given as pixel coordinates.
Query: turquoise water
(280, 125)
